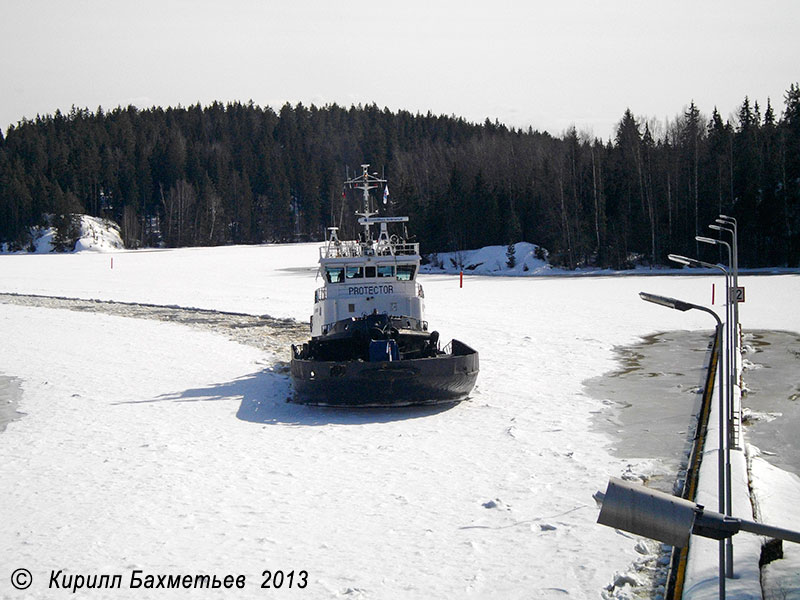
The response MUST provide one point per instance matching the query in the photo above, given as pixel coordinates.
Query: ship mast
(366, 182)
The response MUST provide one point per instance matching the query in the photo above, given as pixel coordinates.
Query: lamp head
(663, 517)
(681, 260)
(647, 512)
(706, 240)
(666, 301)
(693, 262)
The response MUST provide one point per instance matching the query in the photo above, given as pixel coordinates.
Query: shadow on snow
(265, 400)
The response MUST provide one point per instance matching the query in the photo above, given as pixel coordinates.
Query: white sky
(543, 64)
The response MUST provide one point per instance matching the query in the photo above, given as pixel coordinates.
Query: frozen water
(150, 444)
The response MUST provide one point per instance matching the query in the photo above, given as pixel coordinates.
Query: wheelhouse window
(385, 270)
(405, 272)
(334, 274)
(354, 272)
(369, 272)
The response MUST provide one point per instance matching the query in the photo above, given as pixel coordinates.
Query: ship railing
(405, 249)
(387, 247)
(347, 249)
(351, 249)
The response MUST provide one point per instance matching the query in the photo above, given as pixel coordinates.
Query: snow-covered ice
(155, 446)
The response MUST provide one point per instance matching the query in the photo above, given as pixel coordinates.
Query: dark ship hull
(381, 360)
(446, 377)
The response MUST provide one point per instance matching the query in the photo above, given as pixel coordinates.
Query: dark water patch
(653, 399)
(772, 395)
(10, 395)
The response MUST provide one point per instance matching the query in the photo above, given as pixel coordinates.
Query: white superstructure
(368, 276)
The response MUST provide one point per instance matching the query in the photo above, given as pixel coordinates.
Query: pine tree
(511, 256)
(691, 141)
(790, 171)
(235, 172)
(67, 232)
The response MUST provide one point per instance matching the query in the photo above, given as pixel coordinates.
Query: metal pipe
(770, 531)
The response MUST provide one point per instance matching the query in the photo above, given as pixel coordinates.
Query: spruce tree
(511, 256)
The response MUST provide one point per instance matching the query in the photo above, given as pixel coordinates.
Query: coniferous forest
(238, 173)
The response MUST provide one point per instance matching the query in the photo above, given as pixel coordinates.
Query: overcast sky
(547, 65)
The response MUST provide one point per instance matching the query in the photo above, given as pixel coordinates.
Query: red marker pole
(461, 279)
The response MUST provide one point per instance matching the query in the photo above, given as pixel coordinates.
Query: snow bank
(98, 235)
(777, 496)
(529, 259)
(43, 239)
(92, 233)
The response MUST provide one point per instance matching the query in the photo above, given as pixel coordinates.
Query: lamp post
(721, 472)
(730, 221)
(721, 225)
(732, 334)
(725, 411)
(728, 224)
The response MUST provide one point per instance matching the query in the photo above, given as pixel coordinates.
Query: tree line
(240, 173)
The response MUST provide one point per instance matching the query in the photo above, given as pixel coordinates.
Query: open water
(654, 397)
(772, 382)
(10, 394)
(655, 394)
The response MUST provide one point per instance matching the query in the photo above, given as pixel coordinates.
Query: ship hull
(445, 378)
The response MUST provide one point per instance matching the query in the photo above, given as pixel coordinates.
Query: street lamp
(683, 306)
(726, 407)
(730, 221)
(732, 227)
(731, 323)
(728, 224)
(715, 242)
(719, 226)
(692, 262)
(670, 519)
